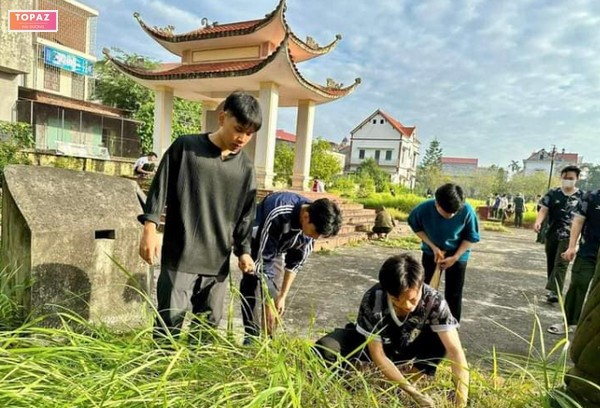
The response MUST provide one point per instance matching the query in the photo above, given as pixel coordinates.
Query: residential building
(459, 166)
(51, 84)
(392, 145)
(541, 161)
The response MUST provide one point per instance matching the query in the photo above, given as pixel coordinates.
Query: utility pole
(552, 154)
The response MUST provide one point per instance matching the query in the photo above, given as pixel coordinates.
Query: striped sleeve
(269, 236)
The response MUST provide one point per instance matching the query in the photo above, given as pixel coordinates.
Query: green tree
(369, 169)
(116, 89)
(514, 166)
(284, 163)
(500, 179)
(323, 165)
(433, 155)
(429, 172)
(592, 181)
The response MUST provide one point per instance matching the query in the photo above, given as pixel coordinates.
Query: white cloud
(491, 79)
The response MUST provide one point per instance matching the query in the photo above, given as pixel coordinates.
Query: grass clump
(408, 243)
(493, 226)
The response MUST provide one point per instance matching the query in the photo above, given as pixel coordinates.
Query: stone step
(339, 240)
(357, 213)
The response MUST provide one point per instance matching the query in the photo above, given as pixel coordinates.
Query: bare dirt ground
(504, 292)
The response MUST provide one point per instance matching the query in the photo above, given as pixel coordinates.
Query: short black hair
(450, 197)
(573, 169)
(326, 216)
(245, 109)
(152, 154)
(400, 273)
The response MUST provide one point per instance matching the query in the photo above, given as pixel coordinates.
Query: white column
(206, 121)
(305, 122)
(264, 151)
(163, 119)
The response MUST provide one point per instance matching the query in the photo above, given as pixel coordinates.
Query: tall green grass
(84, 365)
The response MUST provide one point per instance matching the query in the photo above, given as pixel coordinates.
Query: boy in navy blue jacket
(285, 226)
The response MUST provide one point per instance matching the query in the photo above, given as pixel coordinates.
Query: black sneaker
(552, 298)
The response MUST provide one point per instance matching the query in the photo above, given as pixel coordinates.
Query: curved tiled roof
(230, 69)
(191, 71)
(237, 29)
(213, 31)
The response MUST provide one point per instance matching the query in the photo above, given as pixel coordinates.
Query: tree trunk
(585, 350)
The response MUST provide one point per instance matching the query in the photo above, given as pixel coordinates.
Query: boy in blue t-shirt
(447, 227)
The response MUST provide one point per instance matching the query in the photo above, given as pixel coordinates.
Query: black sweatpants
(454, 282)
(427, 349)
(178, 293)
(556, 266)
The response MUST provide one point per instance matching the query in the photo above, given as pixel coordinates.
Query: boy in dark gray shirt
(208, 187)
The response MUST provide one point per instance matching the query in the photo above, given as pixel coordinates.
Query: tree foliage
(116, 89)
(284, 163)
(592, 181)
(429, 172)
(369, 169)
(323, 165)
(433, 155)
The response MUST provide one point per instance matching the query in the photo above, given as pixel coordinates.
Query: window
(77, 86)
(381, 121)
(388, 155)
(374, 121)
(51, 78)
(377, 155)
(361, 154)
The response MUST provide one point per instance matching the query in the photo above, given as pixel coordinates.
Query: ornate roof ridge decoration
(311, 46)
(332, 90)
(214, 30)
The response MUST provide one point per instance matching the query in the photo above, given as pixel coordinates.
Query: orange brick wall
(72, 25)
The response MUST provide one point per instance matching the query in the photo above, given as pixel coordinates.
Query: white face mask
(567, 183)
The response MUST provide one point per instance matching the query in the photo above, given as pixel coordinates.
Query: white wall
(372, 137)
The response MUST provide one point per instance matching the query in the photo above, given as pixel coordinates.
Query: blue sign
(68, 62)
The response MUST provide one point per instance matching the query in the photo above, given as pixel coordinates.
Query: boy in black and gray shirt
(208, 187)
(400, 319)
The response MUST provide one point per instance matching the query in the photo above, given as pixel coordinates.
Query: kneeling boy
(398, 321)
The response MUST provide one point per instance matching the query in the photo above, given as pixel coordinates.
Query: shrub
(366, 188)
(344, 186)
(401, 202)
(11, 152)
(19, 132)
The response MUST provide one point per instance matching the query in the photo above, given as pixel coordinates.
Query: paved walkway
(504, 291)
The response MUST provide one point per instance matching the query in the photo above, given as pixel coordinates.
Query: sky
(491, 79)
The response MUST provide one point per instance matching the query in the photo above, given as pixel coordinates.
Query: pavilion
(257, 56)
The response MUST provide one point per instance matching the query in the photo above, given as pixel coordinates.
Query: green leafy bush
(11, 152)
(401, 202)
(19, 132)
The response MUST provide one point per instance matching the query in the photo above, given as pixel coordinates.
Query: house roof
(273, 27)
(286, 136)
(459, 160)
(565, 157)
(48, 98)
(407, 131)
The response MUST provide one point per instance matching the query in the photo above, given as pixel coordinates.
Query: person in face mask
(558, 205)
